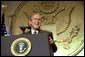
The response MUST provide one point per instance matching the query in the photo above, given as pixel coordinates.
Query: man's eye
(38, 19)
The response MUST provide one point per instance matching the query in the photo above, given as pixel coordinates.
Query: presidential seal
(21, 47)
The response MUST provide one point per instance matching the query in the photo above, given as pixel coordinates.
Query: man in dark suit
(35, 23)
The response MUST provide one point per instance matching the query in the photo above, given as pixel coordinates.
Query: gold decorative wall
(65, 19)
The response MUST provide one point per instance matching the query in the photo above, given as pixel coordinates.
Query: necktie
(35, 32)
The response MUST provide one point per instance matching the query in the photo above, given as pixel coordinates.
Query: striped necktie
(35, 32)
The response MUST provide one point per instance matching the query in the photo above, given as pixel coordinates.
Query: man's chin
(37, 27)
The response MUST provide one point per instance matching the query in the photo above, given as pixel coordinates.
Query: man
(35, 23)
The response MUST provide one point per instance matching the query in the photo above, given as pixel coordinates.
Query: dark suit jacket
(53, 46)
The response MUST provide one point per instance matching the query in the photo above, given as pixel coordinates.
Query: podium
(39, 44)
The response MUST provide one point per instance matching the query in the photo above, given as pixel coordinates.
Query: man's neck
(36, 29)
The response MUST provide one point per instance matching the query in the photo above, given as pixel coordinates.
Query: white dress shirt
(33, 31)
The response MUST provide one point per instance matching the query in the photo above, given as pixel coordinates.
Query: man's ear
(29, 21)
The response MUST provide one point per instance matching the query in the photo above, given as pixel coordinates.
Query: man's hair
(34, 13)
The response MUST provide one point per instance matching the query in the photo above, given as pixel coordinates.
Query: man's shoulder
(45, 31)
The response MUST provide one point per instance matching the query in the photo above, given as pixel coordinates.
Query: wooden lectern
(39, 43)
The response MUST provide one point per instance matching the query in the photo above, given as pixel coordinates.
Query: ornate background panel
(65, 19)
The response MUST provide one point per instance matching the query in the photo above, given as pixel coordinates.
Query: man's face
(35, 21)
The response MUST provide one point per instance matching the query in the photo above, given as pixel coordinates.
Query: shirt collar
(32, 31)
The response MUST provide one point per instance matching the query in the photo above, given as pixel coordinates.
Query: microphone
(23, 28)
(28, 27)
